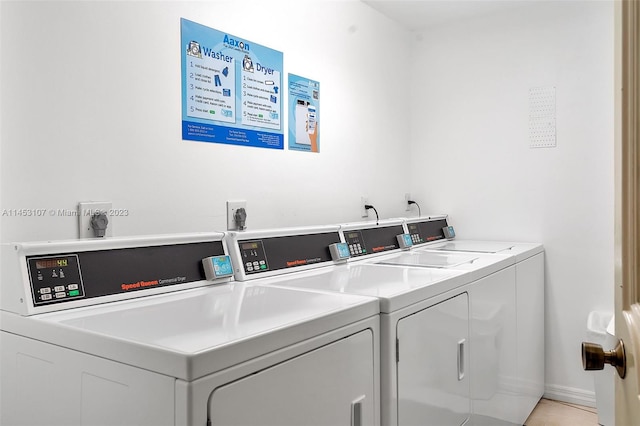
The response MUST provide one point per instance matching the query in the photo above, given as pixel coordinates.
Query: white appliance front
(492, 326)
(432, 384)
(220, 353)
(518, 395)
(406, 297)
(528, 387)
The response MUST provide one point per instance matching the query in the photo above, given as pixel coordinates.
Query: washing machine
(528, 386)
(424, 312)
(145, 331)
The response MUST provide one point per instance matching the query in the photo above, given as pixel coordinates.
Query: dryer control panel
(61, 277)
(55, 278)
(372, 240)
(253, 256)
(284, 252)
(427, 231)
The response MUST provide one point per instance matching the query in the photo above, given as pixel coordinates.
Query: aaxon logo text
(235, 43)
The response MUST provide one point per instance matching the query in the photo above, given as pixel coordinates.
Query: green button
(263, 266)
(74, 292)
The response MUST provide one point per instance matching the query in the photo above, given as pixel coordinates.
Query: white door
(433, 365)
(627, 167)
(332, 385)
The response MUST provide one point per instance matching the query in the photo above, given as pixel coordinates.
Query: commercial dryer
(528, 387)
(490, 290)
(127, 331)
(424, 311)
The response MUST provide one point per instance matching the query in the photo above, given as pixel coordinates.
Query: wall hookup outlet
(232, 206)
(363, 211)
(407, 197)
(86, 209)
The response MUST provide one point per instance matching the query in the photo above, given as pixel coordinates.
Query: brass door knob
(594, 357)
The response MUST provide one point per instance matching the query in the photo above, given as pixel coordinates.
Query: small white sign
(542, 117)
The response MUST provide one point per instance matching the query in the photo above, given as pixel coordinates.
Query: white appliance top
(395, 287)
(477, 265)
(195, 332)
(521, 251)
(473, 246)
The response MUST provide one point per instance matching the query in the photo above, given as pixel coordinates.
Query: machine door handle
(461, 359)
(594, 357)
(356, 411)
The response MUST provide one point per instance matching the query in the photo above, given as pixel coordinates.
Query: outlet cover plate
(232, 206)
(85, 210)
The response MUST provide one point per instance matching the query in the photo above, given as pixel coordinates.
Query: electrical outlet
(232, 206)
(407, 197)
(363, 201)
(86, 209)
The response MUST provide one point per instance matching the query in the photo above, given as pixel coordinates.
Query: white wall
(91, 111)
(471, 156)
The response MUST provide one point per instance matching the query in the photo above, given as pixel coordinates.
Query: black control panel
(355, 242)
(62, 277)
(253, 256)
(55, 278)
(427, 231)
(372, 240)
(274, 253)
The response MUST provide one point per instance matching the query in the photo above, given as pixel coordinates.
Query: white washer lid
(192, 333)
(396, 287)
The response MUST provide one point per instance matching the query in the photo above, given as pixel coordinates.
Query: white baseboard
(570, 395)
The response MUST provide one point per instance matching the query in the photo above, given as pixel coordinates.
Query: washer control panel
(55, 278)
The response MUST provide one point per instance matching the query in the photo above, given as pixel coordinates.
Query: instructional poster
(304, 114)
(231, 89)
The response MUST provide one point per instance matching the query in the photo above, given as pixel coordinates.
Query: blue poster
(231, 89)
(304, 114)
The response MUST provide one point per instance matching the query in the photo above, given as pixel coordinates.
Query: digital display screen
(249, 246)
(340, 251)
(222, 266)
(343, 250)
(52, 263)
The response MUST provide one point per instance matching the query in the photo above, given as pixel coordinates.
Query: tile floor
(556, 413)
